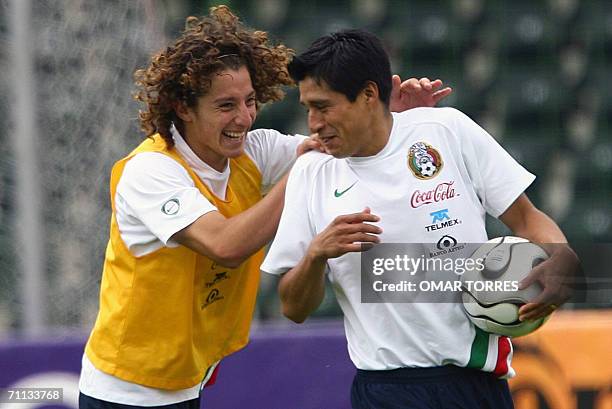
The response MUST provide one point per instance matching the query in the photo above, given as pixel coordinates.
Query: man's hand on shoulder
(414, 93)
(311, 143)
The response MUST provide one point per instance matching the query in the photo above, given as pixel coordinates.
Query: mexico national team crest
(424, 161)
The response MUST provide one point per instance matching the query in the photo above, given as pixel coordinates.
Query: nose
(315, 121)
(245, 116)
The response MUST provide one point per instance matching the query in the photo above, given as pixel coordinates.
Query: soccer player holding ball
(387, 174)
(188, 218)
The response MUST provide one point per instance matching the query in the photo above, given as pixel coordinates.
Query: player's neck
(379, 132)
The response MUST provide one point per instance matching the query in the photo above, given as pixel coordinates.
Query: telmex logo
(443, 191)
(441, 220)
(439, 216)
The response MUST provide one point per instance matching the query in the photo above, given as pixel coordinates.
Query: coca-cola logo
(443, 191)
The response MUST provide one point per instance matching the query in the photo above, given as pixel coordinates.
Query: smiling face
(344, 127)
(216, 128)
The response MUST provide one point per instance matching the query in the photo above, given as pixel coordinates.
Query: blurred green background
(535, 74)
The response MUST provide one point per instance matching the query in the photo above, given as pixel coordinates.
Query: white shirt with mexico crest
(433, 182)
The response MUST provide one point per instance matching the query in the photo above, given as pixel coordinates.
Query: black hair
(346, 61)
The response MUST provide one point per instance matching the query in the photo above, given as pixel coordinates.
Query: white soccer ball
(490, 295)
(427, 169)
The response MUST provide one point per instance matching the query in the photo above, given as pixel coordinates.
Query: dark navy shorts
(445, 387)
(86, 402)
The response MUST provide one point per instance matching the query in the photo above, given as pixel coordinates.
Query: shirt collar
(190, 156)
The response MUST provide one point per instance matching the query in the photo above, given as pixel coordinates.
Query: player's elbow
(228, 256)
(294, 311)
(297, 302)
(230, 263)
(294, 314)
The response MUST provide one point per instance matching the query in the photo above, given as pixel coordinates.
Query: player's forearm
(250, 230)
(527, 221)
(544, 231)
(230, 241)
(302, 288)
(539, 228)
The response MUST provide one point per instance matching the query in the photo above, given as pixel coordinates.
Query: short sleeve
(157, 191)
(295, 230)
(273, 152)
(497, 177)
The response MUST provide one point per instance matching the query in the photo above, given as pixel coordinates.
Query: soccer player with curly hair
(189, 221)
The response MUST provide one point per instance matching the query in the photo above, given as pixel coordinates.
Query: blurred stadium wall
(536, 74)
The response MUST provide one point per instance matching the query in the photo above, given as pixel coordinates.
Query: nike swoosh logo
(338, 194)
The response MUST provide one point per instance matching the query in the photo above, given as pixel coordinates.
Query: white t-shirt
(141, 192)
(457, 168)
(148, 181)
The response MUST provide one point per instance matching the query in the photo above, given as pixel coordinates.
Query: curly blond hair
(183, 71)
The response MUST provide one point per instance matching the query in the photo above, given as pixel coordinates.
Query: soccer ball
(427, 169)
(490, 295)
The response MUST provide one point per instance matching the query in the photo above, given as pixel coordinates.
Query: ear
(183, 111)
(370, 91)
